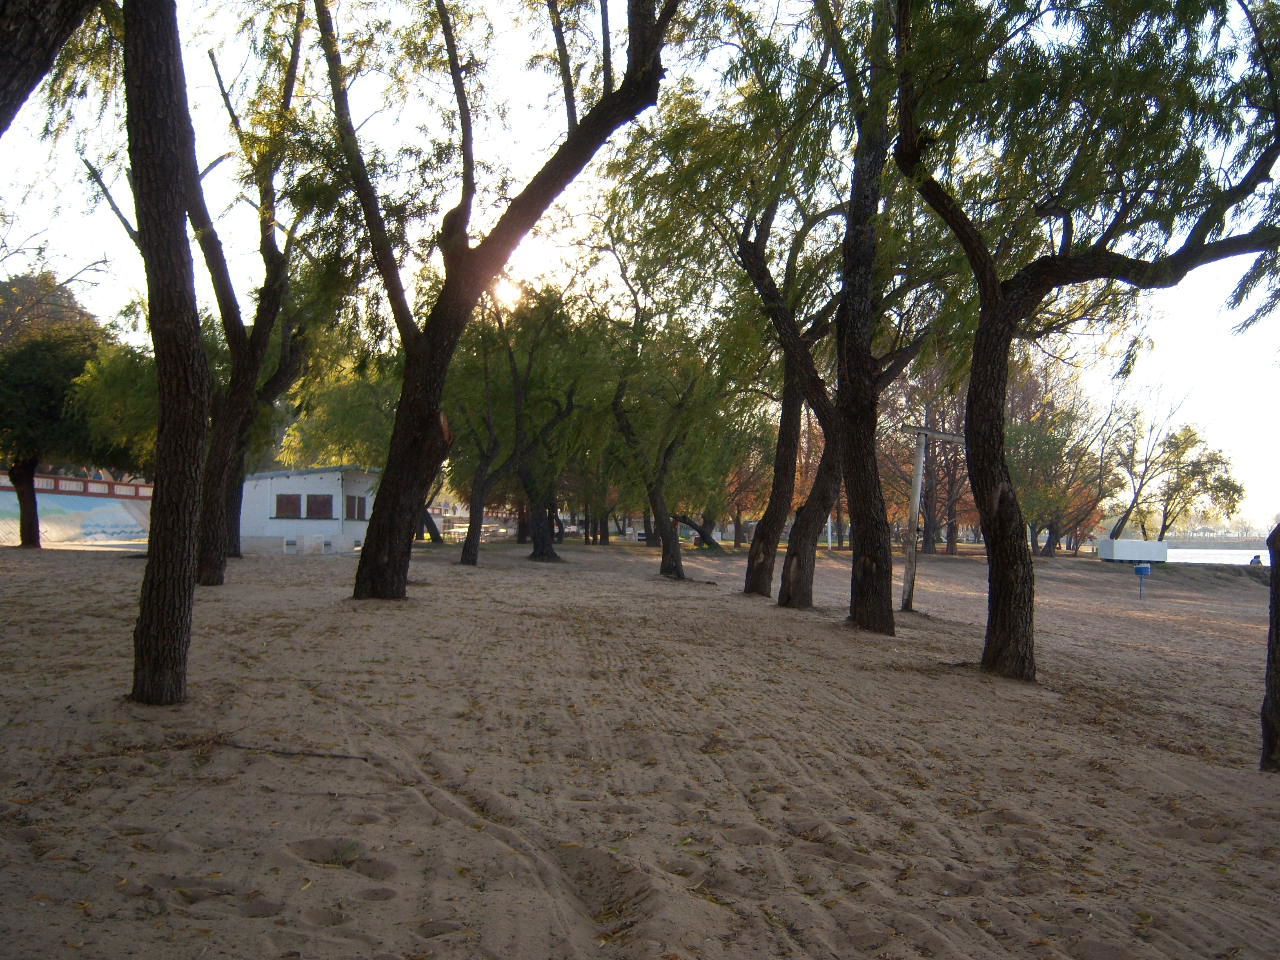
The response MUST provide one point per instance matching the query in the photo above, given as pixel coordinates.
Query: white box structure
(1134, 551)
(322, 510)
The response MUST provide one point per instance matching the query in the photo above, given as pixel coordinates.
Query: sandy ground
(583, 760)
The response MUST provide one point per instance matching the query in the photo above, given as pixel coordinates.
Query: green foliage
(345, 413)
(523, 383)
(37, 373)
(117, 397)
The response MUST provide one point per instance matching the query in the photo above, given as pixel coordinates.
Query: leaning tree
(471, 254)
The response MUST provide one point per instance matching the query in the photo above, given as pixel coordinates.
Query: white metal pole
(913, 518)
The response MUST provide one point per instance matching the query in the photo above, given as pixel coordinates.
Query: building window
(355, 508)
(319, 506)
(289, 505)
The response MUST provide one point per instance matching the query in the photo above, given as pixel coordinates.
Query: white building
(322, 510)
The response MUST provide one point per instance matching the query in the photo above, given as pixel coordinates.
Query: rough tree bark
(763, 553)
(31, 34)
(162, 158)
(1271, 697)
(1009, 650)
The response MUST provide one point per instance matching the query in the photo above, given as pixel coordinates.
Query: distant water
(1217, 556)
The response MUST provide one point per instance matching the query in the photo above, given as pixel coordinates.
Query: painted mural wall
(73, 509)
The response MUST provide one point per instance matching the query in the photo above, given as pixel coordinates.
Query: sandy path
(585, 760)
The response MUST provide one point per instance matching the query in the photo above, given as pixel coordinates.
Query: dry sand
(584, 760)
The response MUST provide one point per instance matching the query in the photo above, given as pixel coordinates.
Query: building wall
(266, 527)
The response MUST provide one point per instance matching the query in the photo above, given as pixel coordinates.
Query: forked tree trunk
(1271, 697)
(22, 475)
(764, 542)
(1009, 650)
(796, 587)
(162, 159)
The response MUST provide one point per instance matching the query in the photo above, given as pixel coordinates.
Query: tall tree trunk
(1271, 696)
(31, 34)
(738, 538)
(671, 565)
(604, 530)
(871, 576)
(231, 409)
(22, 474)
(162, 159)
(764, 542)
(840, 521)
(929, 496)
(862, 374)
(235, 502)
(796, 586)
(1009, 650)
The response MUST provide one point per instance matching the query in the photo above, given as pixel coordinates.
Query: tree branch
(562, 61)
(111, 201)
(383, 253)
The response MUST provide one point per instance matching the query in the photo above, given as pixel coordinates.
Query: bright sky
(1223, 381)
(1226, 382)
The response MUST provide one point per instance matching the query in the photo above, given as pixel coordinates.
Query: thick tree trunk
(22, 475)
(672, 564)
(604, 531)
(1009, 650)
(31, 34)
(796, 586)
(162, 159)
(231, 411)
(764, 542)
(542, 533)
(1051, 538)
(871, 578)
(420, 441)
(1271, 696)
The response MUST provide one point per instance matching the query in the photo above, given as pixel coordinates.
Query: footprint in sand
(343, 852)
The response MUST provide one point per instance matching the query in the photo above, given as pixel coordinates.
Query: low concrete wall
(1133, 551)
